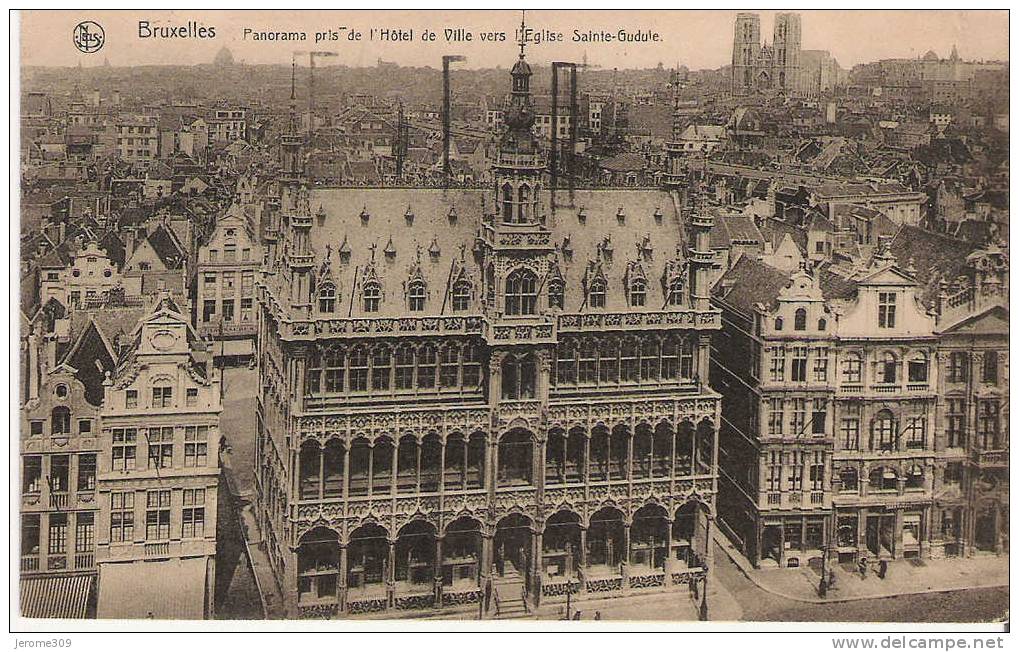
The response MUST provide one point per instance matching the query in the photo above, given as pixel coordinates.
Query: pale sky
(697, 39)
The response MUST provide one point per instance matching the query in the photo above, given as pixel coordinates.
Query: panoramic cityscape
(551, 342)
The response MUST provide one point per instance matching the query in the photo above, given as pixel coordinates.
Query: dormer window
(800, 320)
(461, 296)
(372, 296)
(521, 293)
(676, 292)
(556, 294)
(416, 296)
(596, 295)
(327, 298)
(638, 293)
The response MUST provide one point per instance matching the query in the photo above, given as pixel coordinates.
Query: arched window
(917, 368)
(596, 294)
(521, 293)
(822, 324)
(676, 292)
(887, 369)
(507, 203)
(638, 292)
(525, 198)
(327, 298)
(883, 431)
(60, 422)
(416, 296)
(800, 320)
(778, 323)
(357, 364)
(372, 296)
(556, 294)
(518, 376)
(461, 295)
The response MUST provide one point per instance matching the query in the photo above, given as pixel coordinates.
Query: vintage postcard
(681, 316)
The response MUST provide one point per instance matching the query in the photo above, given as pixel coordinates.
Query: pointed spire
(293, 95)
(523, 41)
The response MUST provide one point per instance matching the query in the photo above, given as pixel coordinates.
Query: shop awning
(163, 590)
(55, 597)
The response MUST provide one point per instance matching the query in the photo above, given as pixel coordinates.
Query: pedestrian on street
(882, 568)
(822, 590)
(862, 567)
(597, 615)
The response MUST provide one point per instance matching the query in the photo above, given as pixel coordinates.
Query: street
(971, 605)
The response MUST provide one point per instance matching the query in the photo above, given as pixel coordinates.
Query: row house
(227, 266)
(837, 399)
(973, 413)
(158, 474)
(467, 394)
(58, 462)
(137, 139)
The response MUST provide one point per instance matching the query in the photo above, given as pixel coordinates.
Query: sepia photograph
(687, 319)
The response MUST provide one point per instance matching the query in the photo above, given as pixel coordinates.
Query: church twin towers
(766, 68)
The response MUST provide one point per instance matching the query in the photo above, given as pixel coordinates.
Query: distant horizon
(699, 40)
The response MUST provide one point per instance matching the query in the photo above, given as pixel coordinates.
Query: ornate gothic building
(758, 67)
(472, 397)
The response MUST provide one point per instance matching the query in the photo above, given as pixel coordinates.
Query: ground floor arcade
(468, 561)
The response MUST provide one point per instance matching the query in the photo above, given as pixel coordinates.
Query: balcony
(851, 389)
(917, 387)
(29, 563)
(775, 498)
(816, 497)
(84, 561)
(991, 459)
(886, 389)
(59, 500)
(161, 549)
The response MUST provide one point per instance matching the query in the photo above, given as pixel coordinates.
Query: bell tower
(295, 211)
(519, 165)
(746, 50)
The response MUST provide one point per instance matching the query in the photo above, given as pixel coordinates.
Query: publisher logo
(89, 36)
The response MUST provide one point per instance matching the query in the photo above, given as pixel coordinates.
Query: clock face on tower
(163, 340)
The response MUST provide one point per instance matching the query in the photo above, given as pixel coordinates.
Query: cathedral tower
(787, 52)
(746, 49)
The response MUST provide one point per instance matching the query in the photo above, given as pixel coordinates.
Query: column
(290, 588)
(391, 575)
(537, 571)
(587, 456)
(625, 564)
(437, 567)
(371, 467)
(392, 469)
(668, 552)
(321, 472)
(346, 473)
(629, 451)
(343, 579)
(582, 559)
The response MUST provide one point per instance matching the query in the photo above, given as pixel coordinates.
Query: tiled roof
(935, 256)
(433, 229)
(748, 283)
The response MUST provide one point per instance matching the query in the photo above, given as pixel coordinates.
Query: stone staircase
(510, 590)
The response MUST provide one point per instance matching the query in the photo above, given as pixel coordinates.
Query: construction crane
(574, 120)
(311, 79)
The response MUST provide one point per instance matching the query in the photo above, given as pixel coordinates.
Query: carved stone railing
(386, 326)
(995, 458)
(639, 320)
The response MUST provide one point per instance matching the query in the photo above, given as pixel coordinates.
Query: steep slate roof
(387, 229)
(750, 282)
(166, 247)
(935, 257)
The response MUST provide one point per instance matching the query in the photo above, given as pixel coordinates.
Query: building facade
(158, 475)
(59, 449)
(225, 297)
(841, 411)
(973, 359)
(466, 397)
